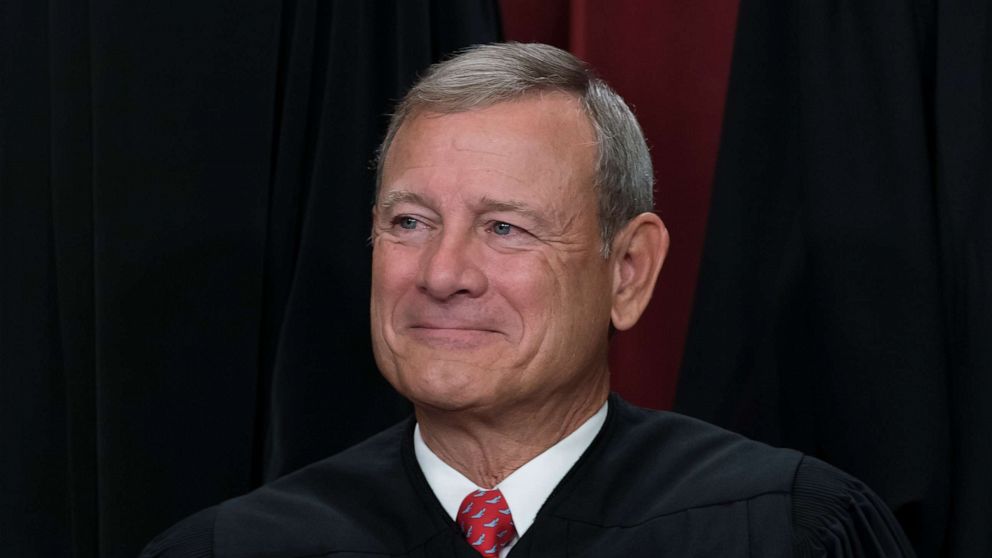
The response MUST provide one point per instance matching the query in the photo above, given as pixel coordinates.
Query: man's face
(488, 285)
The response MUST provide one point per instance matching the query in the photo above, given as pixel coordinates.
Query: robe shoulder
(345, 503)
(835, 514)
(646, 464)
(192, 537)
(721, 494)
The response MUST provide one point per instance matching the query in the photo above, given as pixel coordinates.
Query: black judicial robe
(651, 484)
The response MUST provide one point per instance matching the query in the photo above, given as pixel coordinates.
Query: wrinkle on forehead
(464, 145)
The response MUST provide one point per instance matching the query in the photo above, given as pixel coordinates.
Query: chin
(446, 386)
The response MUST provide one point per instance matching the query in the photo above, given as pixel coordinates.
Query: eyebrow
(396, 197)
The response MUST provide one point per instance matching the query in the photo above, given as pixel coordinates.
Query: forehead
(543, 140)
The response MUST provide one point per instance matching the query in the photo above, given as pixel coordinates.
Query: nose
(450, 268)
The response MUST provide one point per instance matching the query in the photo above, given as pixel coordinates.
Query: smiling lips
(453, 335)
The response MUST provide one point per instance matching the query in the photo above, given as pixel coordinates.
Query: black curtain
(845, 297)
(185, 191)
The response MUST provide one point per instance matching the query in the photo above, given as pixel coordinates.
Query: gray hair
(485, 75)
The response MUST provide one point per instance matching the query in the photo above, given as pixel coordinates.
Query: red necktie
(486, 521)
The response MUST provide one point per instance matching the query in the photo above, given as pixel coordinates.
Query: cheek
(392, 264)
(394, 271)
(392, 276)
(565, 299)
(532, 286)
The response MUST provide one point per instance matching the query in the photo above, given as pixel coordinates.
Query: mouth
(453, 336)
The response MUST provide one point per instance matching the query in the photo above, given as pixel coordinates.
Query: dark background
(184, 208)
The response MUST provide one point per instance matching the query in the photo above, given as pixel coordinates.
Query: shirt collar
(526, 489)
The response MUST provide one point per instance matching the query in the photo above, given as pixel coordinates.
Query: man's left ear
(639, 250)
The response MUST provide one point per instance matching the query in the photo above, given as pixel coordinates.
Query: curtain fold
(843, 303)
(184, 208)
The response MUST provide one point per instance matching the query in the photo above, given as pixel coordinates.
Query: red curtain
(670, 60)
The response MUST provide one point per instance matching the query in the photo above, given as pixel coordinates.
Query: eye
(405, 222)
(501, 228)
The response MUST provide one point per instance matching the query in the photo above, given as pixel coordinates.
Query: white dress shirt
(525, 490)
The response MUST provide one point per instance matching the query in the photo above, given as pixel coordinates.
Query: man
(512, 235)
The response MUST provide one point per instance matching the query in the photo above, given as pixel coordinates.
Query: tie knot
(485, 519)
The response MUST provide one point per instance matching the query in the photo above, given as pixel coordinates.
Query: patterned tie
(486, 521)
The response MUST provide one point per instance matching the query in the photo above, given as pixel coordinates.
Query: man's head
(512, 227)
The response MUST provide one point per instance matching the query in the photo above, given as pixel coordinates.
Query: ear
(639, 250)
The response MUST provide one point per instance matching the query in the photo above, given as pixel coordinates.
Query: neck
(487, 446)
